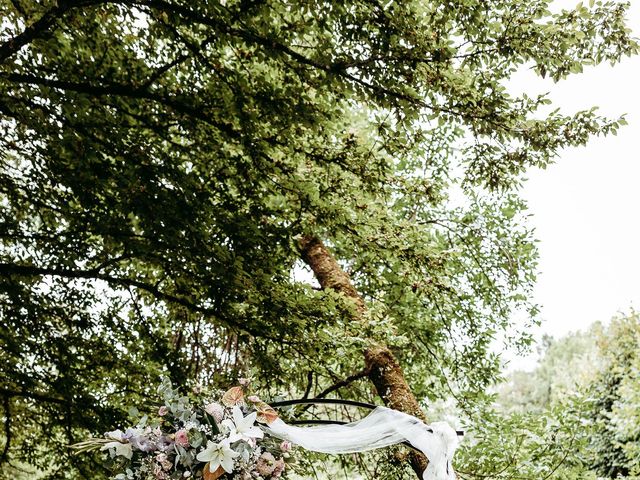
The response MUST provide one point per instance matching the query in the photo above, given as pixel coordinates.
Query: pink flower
(215, 410)
(164, 462)
(244, 381)
(182, 438)
(266, 464)
(285, 446)
(280, 465)
(159, 474)
(253, 398)
(162, 411)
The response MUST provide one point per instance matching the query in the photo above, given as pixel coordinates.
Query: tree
(615, 412)
(168, 166)
(566, 366)
(590, 379)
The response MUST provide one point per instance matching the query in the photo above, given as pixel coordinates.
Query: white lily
(218, 454)
(121, 445)
(242, 428)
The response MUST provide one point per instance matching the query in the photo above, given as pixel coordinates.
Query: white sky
(586, 206)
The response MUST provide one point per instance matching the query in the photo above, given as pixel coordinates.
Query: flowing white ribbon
(381, 428)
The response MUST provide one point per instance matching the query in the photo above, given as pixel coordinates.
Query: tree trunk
(383, 368)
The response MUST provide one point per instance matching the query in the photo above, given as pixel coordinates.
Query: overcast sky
(586, 206)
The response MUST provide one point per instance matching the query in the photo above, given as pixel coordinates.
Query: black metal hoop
(329, 401)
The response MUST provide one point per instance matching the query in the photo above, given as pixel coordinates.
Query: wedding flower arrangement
(214, 439)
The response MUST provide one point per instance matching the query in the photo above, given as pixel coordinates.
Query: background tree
(567, 365)
(168, 166)
(615, 413)
(586, 385)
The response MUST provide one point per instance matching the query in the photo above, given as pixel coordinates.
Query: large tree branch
(7, 429)
(6, 393)
(327, 271)
(343, 383)
(34, 271)
(381, 365)
(123, 90)
(41, 26)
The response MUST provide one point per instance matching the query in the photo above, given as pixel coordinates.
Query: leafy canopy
(160, 158)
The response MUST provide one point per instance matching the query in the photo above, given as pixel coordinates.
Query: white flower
(242, 428)
(121, 445)
(215, 410)
(218, 454)
(191, 425)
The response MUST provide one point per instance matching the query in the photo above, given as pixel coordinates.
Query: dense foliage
(615, 412)
(160, 159)
(587, 388)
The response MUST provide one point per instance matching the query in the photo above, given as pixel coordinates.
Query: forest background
(173, 174)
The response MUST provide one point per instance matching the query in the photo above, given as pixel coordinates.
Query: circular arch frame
(329, 401)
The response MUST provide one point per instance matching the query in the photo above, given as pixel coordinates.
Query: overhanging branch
(41, 26)
(94, 274)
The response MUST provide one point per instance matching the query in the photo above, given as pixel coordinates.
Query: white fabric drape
(381, 428)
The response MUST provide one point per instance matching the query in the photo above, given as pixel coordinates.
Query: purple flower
(138, 439)
(164, 443)
(142, 443)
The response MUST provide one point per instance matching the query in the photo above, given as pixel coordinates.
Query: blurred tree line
(595, 374)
